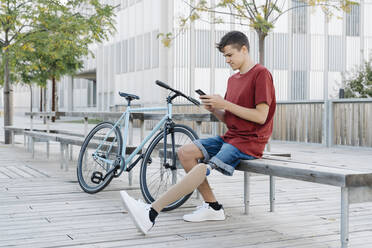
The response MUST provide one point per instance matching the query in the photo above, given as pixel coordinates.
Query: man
(247, 110)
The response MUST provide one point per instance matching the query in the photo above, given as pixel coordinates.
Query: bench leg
(62, 155)
(71, 149)
(272, 194)
(12, 137)
(66, 155)
(28, 147)
(246, 192)
(344, 217)
(47, 148)
(33, 147)
(130, 178)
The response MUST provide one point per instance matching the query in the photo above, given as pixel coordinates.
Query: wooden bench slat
(307, 172)
(68, 139)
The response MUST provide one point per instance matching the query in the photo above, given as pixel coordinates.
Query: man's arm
(220, 114)
(216, 102)
(257, 115)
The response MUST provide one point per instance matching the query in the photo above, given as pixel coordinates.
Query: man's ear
(244, 49)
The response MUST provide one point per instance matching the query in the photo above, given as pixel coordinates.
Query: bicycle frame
(126, 116)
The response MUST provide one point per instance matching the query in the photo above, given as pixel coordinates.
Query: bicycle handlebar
(166, 86)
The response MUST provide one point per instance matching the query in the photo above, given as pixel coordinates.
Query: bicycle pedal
(97, 177)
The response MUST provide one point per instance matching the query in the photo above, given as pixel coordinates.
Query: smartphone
(200, 92)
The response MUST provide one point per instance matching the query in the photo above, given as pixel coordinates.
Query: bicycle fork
(168, 128)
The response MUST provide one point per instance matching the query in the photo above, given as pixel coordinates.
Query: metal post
(198, 132)
(329, 127)
(272, 194)
(325, 83)
(212, 81)
(246, 192)
(142, 124)
(130, 142)
(29, 140)
(192, 54)
(48, 131)
(361, 34)
(85, 126)
(344, 217)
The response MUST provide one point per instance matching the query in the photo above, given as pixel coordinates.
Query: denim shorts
(220, 155)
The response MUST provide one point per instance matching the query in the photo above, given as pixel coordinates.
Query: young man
(247, 110)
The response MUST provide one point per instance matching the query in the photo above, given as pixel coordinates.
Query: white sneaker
(204, 213)
(138, 211)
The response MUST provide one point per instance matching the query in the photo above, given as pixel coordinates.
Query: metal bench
(65, 140)
(356, 186)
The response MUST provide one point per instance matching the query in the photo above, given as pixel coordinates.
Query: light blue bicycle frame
(125, 116)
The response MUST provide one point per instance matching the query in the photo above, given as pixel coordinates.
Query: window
(118, 58)
(131, 60)
(124, 56)
(155, 49)
(203, 48)
(139, 53)
(299, 85)
(335, 53)
(147, 50)
(299, 17)
(124, 4)
(300, 50)
(220, 59)
(353, 21)
(280, 51)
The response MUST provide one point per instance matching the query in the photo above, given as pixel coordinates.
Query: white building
(305, 53)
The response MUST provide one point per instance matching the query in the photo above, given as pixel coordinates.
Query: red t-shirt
(247, 90)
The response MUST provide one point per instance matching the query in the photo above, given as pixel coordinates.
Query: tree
(358, 83)
(26, 24)
(257, 14)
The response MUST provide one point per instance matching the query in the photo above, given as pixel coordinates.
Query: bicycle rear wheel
(94, 174)
(155, 176)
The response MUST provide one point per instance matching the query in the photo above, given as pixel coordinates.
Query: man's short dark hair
(235, 38)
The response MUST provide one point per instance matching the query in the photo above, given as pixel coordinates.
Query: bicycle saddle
(129, 97)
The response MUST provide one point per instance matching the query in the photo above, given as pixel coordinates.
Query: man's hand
(213, 102)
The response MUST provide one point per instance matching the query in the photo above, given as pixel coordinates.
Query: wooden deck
(42, 206)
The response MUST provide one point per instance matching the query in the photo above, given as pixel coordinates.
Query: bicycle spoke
(93, 170)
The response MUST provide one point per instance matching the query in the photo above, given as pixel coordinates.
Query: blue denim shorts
(220, 155)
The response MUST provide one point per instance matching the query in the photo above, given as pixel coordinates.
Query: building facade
(305, 53)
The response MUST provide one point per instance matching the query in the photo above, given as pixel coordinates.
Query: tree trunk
(53, 97)
(8, 100)
(261, 46)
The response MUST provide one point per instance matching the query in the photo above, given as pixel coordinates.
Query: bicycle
(102, 155)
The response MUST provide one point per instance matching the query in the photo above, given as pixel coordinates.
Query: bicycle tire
(149, 161)
(85, 184)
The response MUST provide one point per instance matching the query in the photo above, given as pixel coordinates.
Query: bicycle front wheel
(156, 177)
(101, 148)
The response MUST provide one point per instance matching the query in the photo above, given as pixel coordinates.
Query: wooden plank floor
(42, 206)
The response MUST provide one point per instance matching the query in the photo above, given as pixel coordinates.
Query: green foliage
(47, 39)
(259, 15)
(358, 83)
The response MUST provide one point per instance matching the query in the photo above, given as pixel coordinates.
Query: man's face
(234, 57)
